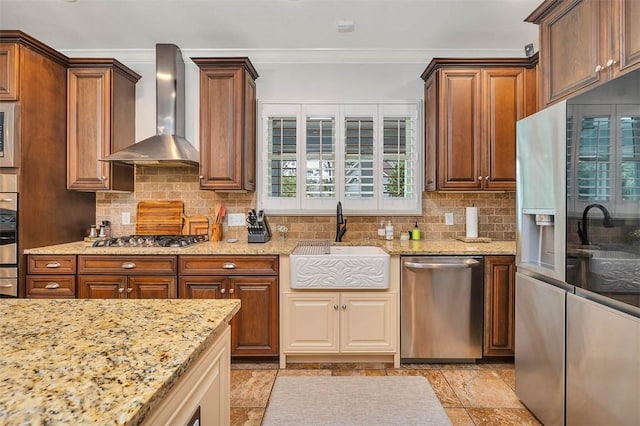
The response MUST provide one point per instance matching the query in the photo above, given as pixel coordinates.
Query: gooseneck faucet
(582, 232)
(341, 223)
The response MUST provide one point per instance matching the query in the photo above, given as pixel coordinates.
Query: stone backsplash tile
(496, 210)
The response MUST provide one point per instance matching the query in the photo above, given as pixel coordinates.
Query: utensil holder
(216, 232)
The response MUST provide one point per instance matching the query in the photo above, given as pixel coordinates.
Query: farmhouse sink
(342, 268)
(614, 271)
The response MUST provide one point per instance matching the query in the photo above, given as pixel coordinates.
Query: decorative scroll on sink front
(340, 272)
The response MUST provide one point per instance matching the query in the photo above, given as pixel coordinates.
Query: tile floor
(472, 394)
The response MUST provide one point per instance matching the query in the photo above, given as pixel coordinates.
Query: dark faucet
(340, 220)
(582, 232)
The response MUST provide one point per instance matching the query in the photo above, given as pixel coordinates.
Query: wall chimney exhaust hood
(168, 148)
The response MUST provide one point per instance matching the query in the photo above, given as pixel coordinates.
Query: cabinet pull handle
(120, 290)
(6, 200)
(487, 178)
(599, 68)
(611, 62)
(479, 177)
(53, 265)
(230, 291)
(52, 285)
(104, 178)
(344, 307)
(6, 285)
(201, 177)
(229, 265)
(128, 265)
(129, 290)
(335, 307)
(223, 290)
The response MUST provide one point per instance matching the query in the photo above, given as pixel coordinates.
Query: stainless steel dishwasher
(441, 308)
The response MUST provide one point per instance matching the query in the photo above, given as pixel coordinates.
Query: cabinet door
(499, 305)
(368, 322)
(254, 329)
(160, 287)
(504, 104)
(221, 154)
(249, 133)
(574, 40)
(459, 136)
(431, 134)
(88, 128)
(625, 23)
(101, 286)
(9, 72)
(203, 287)
(311, 322)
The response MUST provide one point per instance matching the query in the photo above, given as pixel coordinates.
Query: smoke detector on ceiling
(346, 26)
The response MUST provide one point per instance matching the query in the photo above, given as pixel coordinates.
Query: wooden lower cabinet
(126, 287)
(51, 276)
(499, 306)
(340, 322)
(122, 277)
(254, 329)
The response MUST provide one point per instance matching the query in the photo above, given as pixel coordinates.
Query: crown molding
(303, 56)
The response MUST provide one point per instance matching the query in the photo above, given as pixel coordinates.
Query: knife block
(259, 236)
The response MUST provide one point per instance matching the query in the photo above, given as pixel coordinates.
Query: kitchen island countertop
(277, 247)
(99, 361)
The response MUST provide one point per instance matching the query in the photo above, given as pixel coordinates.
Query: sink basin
(614, 271)
(343, 268)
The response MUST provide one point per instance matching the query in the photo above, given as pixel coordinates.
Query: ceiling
(381, 25)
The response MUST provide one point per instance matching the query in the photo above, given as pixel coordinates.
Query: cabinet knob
(223, 290)
(335, 307)
(599, 68)
(230, 291)
(52, 285)
(128, 265)
(104, 178)
(486, 178)
(53, 265)
(479, 177)
(120, 290)
(344, 307)
(129, 290)
(201, 177)
(610, 62)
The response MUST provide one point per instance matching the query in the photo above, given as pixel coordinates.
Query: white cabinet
(340, 322)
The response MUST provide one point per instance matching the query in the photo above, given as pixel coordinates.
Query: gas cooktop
(143, 241)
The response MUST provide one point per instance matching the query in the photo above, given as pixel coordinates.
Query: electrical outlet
(448, 218)
(235, 219)
(126, 218)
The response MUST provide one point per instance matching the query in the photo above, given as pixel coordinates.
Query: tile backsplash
(496, 210)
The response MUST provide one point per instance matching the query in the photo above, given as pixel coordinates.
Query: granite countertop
(98, 361)
(276, 247)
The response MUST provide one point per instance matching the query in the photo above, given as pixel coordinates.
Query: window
(365, 155)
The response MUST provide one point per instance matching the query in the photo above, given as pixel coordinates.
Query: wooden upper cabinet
(584, 43)
(100, 121)
(227, 123)
(9, 71)
(471, 109)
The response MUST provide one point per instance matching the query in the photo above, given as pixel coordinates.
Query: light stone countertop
(276, 247)
(85, 361)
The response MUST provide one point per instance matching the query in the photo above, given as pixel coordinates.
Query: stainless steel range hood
(168, 148)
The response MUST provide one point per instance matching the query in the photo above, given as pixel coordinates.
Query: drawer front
(127, 265)
(228, 265)
(51, 286)
(51, 264)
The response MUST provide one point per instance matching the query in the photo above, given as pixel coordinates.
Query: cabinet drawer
(51, 286)
(51, 264)
(228, 265)
(127, 265)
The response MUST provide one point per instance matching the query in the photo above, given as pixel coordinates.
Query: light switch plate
(235, 219)
(448, 218)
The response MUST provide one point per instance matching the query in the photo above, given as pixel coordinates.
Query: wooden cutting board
(159, 217)
(196, 225)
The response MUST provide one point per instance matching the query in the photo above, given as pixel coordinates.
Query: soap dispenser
(415, 235)
(388, 234)
(381, 231)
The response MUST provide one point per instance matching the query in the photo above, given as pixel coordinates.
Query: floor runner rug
(353, 400)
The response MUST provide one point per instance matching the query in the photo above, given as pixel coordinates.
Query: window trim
(377, 205)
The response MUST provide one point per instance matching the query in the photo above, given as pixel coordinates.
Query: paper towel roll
(472, 222)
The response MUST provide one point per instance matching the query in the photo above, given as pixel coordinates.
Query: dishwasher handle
(462, 263)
